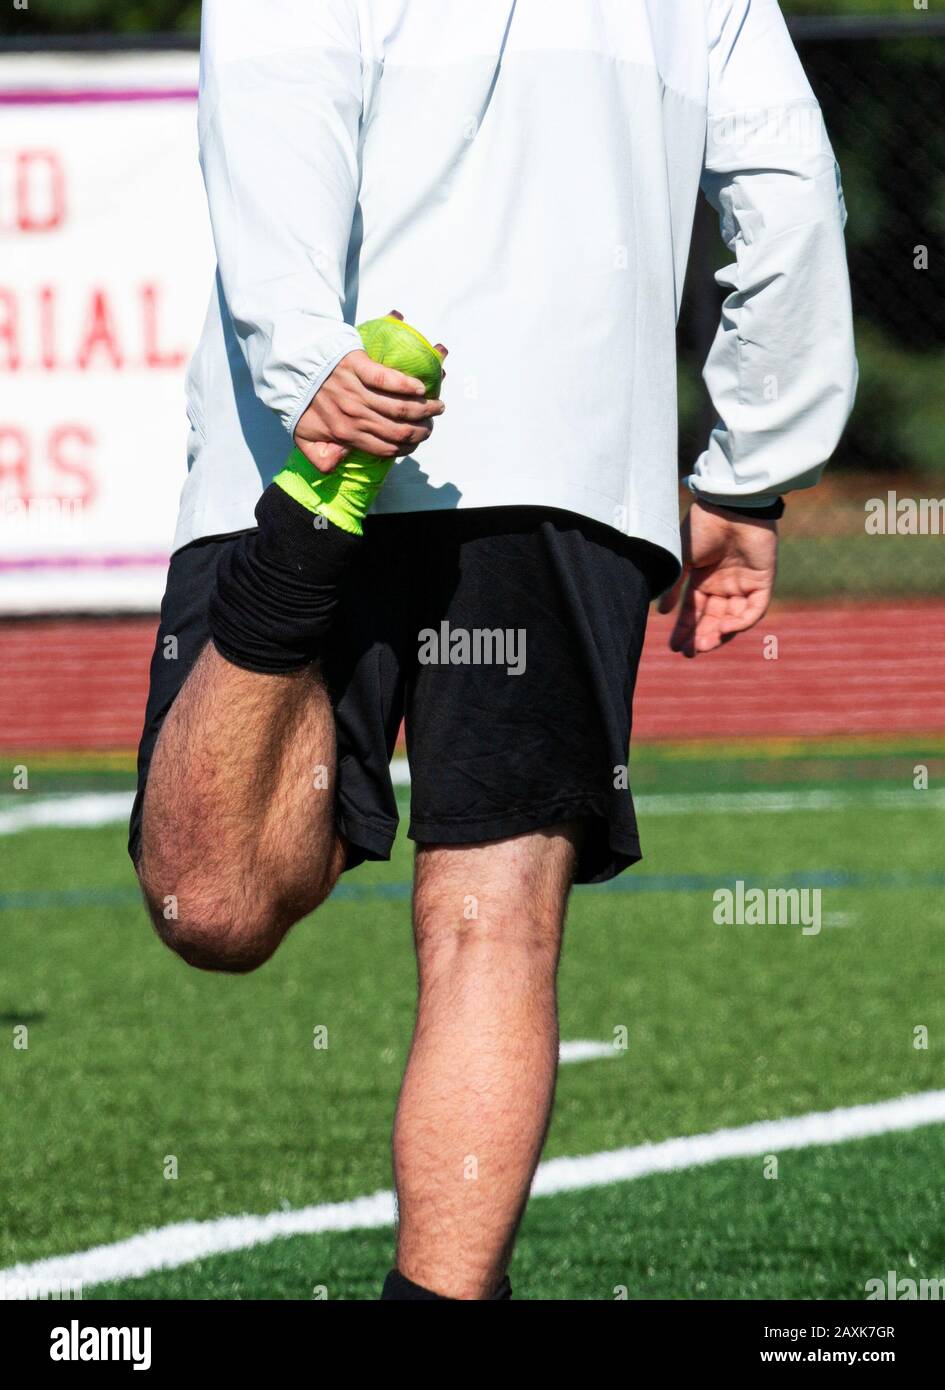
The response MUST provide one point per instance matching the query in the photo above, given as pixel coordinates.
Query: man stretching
(519, 176)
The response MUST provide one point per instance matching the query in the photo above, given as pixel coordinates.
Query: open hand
(729, 567)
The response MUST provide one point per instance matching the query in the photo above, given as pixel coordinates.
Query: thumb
(324, 457)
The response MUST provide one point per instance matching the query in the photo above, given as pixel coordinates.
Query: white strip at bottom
(186, 1241)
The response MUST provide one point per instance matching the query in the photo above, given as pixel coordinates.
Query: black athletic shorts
(506, 639)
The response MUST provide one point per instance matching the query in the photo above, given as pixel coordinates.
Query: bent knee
(212, 933)
(230, 926)
(212, 936)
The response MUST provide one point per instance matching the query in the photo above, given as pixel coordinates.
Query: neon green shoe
(345, 496)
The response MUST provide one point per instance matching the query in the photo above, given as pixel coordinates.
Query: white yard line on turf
(78, 809)
(109, 808)
(582, 1051)
(186, 1241)
(754, 803)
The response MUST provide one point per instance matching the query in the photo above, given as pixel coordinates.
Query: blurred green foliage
(869, 7)
(108, 16)
(882, 106)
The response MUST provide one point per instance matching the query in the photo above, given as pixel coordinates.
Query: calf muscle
(477, 1094)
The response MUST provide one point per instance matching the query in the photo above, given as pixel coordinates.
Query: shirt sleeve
(782, 370)
(279, 122)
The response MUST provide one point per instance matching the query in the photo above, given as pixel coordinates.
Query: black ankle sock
(277, 588)
(398, 1286)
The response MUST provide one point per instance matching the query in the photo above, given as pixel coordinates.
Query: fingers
(683, 637)
(328, 438)
(326, 455)
(710, 620)
(747, 613)
(380, 445)
(383, 447)
(381, 378)
(367, 407)
(402, 433)
(375, 431)
(669, 600)
(345, 423)
(400, 409)
(439, 348)
(387, 441)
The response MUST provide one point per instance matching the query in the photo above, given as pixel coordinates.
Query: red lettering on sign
(40, 191)
(9, 332)
(15, 458)
(47, 328)
(62, 448)
(62, 460)
(101, 329)
(99, 334)
(153, 356)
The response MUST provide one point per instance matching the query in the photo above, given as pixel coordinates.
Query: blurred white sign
(106, 264)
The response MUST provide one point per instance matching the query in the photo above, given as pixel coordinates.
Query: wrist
(771, 511)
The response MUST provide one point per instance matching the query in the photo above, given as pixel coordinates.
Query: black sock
(398, 1286)
(277, 588)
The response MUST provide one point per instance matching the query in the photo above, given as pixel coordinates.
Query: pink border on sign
(86, 562)
(35, 96)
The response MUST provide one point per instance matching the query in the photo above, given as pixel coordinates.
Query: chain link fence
(880, 84)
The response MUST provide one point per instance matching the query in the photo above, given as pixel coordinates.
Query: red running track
(855, 669)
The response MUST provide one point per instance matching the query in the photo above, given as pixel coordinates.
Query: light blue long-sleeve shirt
(519, 177)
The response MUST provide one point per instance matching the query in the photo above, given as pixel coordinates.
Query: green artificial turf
(134, 1060)
(833, 1219)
